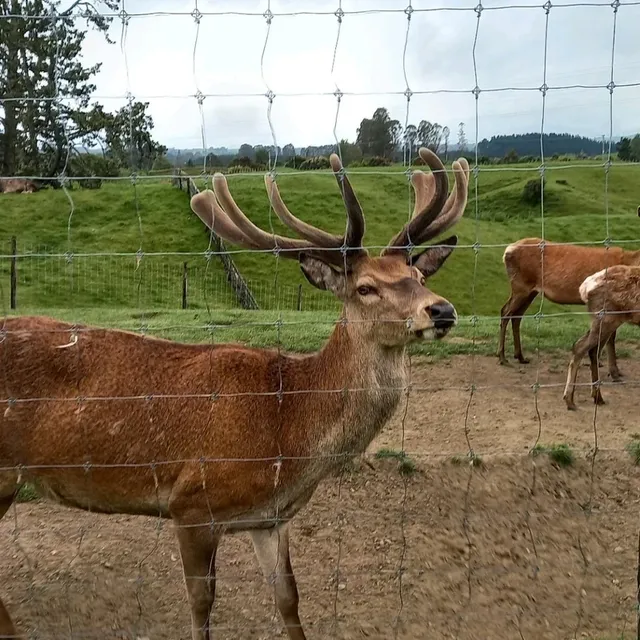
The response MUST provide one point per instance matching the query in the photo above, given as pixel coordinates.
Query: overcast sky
(161, 51)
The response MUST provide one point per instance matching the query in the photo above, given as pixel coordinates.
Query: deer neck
(364, 382)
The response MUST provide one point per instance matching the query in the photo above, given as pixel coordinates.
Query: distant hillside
(528, 144)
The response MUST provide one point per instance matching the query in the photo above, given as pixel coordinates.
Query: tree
(429, 135)
(212, 160)
(635, 148)
(462, 138)
(350, 152)
(379, 135)
(261, 154)
(246, 150)
(288, 151)
(445, 135)
(410, 136)
(624, 149)
(511, 157)
(40, 57)
(128, 137)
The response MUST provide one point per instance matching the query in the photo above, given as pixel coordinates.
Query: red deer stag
(557, 277)
(225, 438)
(612, 297)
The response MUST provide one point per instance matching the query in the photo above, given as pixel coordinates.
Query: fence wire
(477, 512)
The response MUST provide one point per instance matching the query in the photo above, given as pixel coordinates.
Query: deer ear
(322, 275)
(432, 258)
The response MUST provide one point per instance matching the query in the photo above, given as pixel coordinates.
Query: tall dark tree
(128, 138)
(624, 149)
(40, 58)
(246, 151)
(288, 151)
(379, 135)
(429, 135)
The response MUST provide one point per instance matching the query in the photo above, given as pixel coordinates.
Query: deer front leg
(272, 550)
(198, 545)
(589, 341)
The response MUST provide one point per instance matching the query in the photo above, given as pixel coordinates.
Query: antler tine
(424, 187)
(456, 203)
(425, 211)
(206, 207)
(304, 230)
(257, 236)
(355, 218)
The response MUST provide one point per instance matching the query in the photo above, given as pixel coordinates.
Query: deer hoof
(571, 405)
(523, 360)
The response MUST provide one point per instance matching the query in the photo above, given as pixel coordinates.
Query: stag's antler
(219, 211)
(433, 212)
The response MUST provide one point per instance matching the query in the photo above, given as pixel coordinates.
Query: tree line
(49, 121)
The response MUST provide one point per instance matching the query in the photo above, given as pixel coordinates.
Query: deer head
(384, 295)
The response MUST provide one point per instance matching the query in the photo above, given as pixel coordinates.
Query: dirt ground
(514, 548)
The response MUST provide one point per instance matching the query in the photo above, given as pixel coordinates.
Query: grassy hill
(156, 218)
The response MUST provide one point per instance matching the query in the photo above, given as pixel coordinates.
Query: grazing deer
(612, 297)
(557, 277)
(17, 185)
(225, 438)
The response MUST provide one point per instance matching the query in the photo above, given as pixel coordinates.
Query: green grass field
(155, 217)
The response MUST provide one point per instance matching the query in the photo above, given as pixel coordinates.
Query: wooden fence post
(299, 305)
(185, 283)
(14, 270)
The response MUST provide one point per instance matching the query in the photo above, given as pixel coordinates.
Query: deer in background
(18, 185)
(556, 273)
(612, 297)
(225, 438)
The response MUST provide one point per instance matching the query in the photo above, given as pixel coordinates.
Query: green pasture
(146, 233)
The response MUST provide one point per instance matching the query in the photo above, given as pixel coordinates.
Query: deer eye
(365, 290)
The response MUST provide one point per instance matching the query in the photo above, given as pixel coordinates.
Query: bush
(314, 163)
(241, 161)
(93, 168)
(294, 162)
(376, 161)
(532, 192)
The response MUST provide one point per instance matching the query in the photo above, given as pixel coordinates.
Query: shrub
(376, 161)
(241, 161)
(94, 167)
(294, 162)
(532, 192)
(314, 163)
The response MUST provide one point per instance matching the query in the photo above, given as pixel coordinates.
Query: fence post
(299, 305)
(185, 283)
(14, 270)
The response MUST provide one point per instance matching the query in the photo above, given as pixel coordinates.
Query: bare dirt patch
(514, 546)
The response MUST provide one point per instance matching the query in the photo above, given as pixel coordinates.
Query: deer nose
(443, 315)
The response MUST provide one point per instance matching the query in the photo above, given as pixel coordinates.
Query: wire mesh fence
(39, 277)
(448, 496)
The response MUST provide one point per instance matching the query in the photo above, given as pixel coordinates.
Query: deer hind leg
(516, 305)
(596, 394)
(614, 372)
(7, 630)
(272, 550)
(198, 546)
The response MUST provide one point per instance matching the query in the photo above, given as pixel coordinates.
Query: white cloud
(299, 53)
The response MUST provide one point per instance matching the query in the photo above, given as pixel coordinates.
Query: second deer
(556, 272)
(612, 297)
